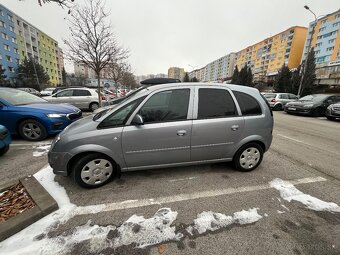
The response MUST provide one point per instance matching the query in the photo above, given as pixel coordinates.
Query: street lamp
(308, 49)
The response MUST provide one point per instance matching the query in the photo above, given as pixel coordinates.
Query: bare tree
(92, 40)
(63, 3)
(117, 71)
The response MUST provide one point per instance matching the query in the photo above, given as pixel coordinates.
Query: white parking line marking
(91, 209)
(298, 141)
(29, 144)
(183, 179)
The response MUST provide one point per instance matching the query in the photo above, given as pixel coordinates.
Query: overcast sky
(164, 33)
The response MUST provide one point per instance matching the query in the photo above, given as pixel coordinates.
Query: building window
(14, 40)
(16, 51)
(2, 13)
(11, 69)
(323, 21)
(2, 24)
(11, 29)
(6, 47)
(5, 36)
(10, 17)
(336, 24)
(322, 29)
(331, 41)
(337, 16)
(318, 44)
(9, 59)
(330, 48)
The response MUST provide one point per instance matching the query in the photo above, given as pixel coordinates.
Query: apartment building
(199, 74)
(20, 40)
(326, 43)
(267, 56)
(221, 68)
(176, 73)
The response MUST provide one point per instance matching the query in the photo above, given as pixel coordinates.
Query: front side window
(119, 117)
(248, 104)
(65, 93)
(170, 105)
(215, 103)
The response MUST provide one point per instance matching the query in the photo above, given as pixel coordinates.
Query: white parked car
(47, 92)
(83, 98)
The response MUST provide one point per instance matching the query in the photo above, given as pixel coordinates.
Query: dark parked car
(33, 117)
(333, 111)
(312, 105)
(5, 140)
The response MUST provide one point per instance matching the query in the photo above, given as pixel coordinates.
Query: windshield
(19, 97)
(314, 98)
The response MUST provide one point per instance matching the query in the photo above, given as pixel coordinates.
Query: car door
(164, 138)
(217, 125)
(64, 96)
(81, 98)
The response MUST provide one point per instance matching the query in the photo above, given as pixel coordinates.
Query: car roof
(157, 81)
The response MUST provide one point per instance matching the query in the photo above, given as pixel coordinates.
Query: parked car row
(315, 105)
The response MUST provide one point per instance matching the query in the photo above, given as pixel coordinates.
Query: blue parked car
(32, 117)
(5, 140)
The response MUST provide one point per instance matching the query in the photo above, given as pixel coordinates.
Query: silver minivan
(165, 126)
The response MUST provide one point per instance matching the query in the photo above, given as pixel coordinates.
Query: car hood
(300, 103)
(80, 126)
(49, 108)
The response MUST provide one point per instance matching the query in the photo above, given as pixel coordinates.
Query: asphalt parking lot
(305, 151)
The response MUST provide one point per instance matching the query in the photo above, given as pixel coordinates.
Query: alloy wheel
(31, 131)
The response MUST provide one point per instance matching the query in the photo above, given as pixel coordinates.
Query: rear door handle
(181, 132)
(234, 127)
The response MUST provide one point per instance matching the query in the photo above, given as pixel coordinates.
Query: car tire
(32, 130)
(330, 118)
(255, 153)
(94, 170)
(278, 107)
(4, 150)
(317, 112)
(93, 106)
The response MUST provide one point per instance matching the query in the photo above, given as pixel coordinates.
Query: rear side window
(215, 103)
(283, 96)
(248, 104)
(81, 92)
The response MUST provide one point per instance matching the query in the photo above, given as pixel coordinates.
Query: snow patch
(211, 221)
(288, 192)
(41, 150)
(145, 232)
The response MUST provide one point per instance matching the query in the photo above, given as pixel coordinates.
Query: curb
(45, 204)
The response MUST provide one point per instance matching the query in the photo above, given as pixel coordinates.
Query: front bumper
(5, 139)
(56, 125)
(331, 113)
(59, 161)
(298, 110)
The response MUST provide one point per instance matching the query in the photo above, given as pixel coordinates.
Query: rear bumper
(59, 161)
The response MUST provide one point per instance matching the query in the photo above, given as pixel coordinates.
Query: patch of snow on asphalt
(41, 150)
(145, 232)
(211, 221)
(288, 192)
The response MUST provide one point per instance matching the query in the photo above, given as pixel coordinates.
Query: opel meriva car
(164, 126)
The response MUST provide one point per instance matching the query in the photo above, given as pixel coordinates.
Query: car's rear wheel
(248, 157)
(94, 106)
(317, 112)
(278, 107)
(330, 118)
(32, 130)
(4, 150)
(94, 170)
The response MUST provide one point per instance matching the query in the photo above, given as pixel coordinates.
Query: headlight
(55, 115)
(308, 105)
(329, 107)
(57, 139)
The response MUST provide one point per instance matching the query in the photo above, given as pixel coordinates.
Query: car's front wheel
(248, 157)
(94, 106)
(94, 170)
(330, 118)
(32, 130)
(4, 150)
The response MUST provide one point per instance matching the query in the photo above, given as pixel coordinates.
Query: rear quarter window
(248, 104)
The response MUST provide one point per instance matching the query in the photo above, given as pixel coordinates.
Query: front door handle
(234, 127)
(181, 132)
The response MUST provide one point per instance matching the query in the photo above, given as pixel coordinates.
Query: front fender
(98, 148)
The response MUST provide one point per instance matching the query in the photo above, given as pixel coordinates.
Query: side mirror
(138, 120)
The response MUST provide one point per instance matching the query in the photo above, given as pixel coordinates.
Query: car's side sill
(177, 164)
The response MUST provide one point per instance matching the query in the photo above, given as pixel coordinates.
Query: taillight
(273, 100)
(102, 98)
